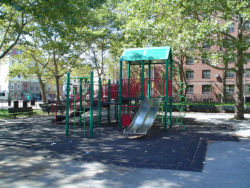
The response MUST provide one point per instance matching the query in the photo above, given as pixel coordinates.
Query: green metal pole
(166, 95)
(171, 95)
(67, 105)
(91, 104)
(80, 107)
(84, 109)
(142, 80)
(116, 105)
(99, 102)
(109, 99)
(149, 78)
(74, 93)
(129, 78)
(120, 98)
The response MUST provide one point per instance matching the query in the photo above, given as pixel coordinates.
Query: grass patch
(4, 114)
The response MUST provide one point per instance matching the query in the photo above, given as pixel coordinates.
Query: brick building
(205, 83)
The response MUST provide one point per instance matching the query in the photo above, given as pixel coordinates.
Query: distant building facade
(16, 88)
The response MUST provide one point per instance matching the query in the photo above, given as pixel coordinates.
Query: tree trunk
(183, 88)
(58, 89)
(42, 87)
(239, 100)
(224, 82)
(182, 80)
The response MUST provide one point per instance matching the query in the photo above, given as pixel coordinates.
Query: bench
(45, 108)
(53, 108)
(60, 108)
(16, 111)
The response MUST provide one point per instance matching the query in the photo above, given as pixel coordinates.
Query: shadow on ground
(39, 139)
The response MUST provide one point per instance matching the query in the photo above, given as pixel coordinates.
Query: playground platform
(36, 153)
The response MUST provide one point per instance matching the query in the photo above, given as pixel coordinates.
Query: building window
(230, 74)
(230, 89)
(248, 41)
(205, 60)
(190, 89)
(247, 73)
(31, 87)
(206, 89)
(206, 100)
(37, 88)
(231, 28)
(232, 60)
(18, 86)
(190, 61)
(247, 57)
(206, 74)
(48, 87)
(246, 26)
(228, 43)
(12, 85)
(190, 74)
(247, 89)
(205, 45)
(19, 76)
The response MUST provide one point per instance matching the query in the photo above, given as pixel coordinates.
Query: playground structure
(91, 96)
(136, 88)
(144, 87)
(81, 109)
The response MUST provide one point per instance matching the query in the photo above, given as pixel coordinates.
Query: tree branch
(17, 38)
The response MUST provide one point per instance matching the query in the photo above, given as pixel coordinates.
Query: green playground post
(129, 77)
(149, 78)
(116, 105)
(91, 104)
(74, 93)
(166, 95)
(171, 95)
(84, 108)
(109, 99)
(67, 105)
(80, 107)
(99, 101)
(120, 98)
(142, 80)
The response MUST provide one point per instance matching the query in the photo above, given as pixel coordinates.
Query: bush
(202, 108)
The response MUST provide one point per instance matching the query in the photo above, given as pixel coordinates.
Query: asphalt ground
(41, 141)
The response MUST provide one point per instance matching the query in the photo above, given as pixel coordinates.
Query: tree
(213, 19)
(13, 22)
(97, 51)
(32, 63)
(158, 24)
(101, 34)
(64, 35)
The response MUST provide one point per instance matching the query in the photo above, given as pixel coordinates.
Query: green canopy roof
(139, 54)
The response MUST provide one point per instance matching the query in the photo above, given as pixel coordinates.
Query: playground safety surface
(175, 148)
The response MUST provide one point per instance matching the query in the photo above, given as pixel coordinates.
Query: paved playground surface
(212, 152)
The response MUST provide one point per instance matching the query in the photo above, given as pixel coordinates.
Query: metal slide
(145, 117)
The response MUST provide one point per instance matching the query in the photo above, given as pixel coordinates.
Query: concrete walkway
(227, 164)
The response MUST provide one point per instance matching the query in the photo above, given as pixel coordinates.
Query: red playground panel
(113, 91)
(126, 120)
